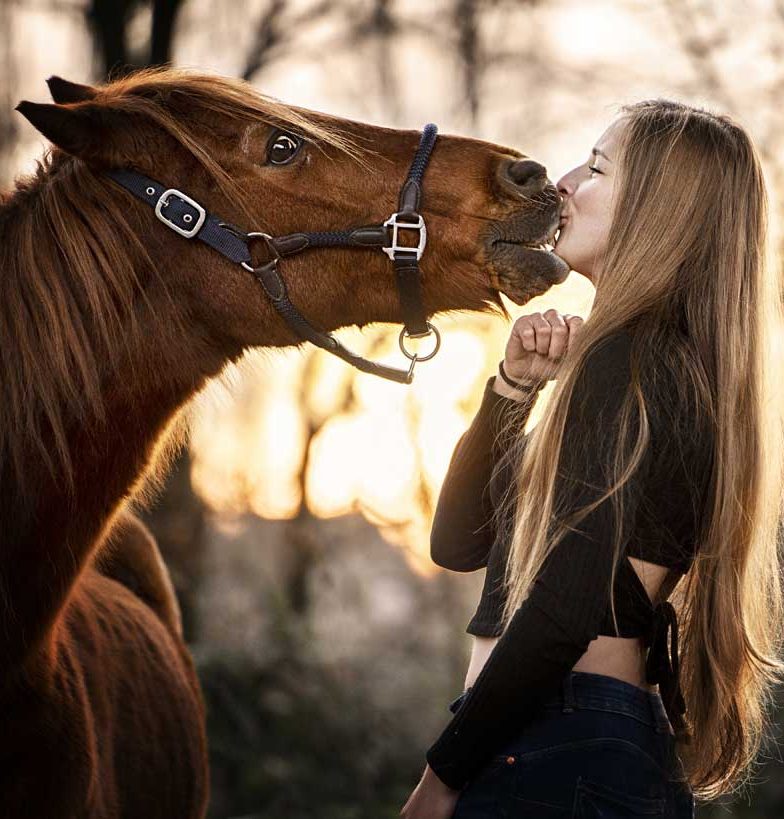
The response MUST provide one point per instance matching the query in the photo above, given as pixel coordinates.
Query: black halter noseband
(188, 218)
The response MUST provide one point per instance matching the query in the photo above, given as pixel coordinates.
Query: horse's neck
(48, 549)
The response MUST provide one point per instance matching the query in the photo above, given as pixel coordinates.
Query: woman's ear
(63, 91)
(88, 130)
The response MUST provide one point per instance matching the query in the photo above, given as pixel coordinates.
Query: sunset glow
(373, 446)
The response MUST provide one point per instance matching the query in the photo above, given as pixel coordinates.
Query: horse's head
(278, 169)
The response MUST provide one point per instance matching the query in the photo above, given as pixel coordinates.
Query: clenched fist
(536, 347)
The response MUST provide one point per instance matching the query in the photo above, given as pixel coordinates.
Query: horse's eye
(283, 149)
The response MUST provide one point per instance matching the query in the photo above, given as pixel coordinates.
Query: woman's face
(587, 192)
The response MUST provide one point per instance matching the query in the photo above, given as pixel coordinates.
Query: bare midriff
(620, 657)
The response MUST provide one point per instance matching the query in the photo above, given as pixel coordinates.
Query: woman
(658, 468)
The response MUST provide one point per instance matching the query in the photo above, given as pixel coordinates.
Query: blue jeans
(598, 748)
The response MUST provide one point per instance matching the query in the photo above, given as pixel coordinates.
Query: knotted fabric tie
(662, 666)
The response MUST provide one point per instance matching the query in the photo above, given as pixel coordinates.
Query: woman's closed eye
(593, 169)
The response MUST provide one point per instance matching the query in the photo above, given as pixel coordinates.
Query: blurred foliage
(294, 741)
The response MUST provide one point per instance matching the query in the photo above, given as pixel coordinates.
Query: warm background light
(372, 446)
(302, 431)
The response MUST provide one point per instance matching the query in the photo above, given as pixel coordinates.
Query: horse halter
(189, 219)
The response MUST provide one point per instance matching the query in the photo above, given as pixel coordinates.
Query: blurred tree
(8, 125)
(108, 21)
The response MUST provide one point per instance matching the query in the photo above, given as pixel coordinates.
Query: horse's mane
(72, 271)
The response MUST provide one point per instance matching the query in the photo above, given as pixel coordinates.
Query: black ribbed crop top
(569, 605)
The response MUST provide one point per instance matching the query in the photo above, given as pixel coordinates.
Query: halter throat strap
(189, 219)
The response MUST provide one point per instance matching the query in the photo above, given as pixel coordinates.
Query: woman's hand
(536, 347)
(431, 799)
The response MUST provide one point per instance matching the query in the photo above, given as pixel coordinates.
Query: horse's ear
(92, 132)
(63, 91)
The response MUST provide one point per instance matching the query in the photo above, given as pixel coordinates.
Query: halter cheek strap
(189, 219)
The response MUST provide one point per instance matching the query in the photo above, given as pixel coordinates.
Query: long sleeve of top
(462, 534)
(563, 612)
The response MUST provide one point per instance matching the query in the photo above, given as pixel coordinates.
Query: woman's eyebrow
(601, 153)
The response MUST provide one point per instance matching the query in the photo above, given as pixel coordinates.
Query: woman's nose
(565, 185)
(528, 176)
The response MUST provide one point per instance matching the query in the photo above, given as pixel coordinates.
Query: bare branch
(700, 49)
(269, 36)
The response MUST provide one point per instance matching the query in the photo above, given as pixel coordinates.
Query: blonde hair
(689, 273)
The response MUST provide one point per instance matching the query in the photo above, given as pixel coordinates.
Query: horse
(110, 323)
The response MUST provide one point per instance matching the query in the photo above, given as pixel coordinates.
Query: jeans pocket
(598, 800)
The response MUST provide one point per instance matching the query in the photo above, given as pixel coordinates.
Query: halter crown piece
(189, 219)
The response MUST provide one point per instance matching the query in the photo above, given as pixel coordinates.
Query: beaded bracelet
(519, 385)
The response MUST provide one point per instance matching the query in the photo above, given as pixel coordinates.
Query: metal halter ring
(415, 356)
(270, 246)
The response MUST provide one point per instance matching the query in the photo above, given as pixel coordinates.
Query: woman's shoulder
(622, 357)
(609, 355)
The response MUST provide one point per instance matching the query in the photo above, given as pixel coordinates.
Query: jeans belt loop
(569, 703)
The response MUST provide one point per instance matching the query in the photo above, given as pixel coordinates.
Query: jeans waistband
(585, 690)
(600, 692)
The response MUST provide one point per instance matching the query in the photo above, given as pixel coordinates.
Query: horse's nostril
(527, 174)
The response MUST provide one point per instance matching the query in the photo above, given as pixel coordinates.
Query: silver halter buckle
(163, 202)
(396, 226)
